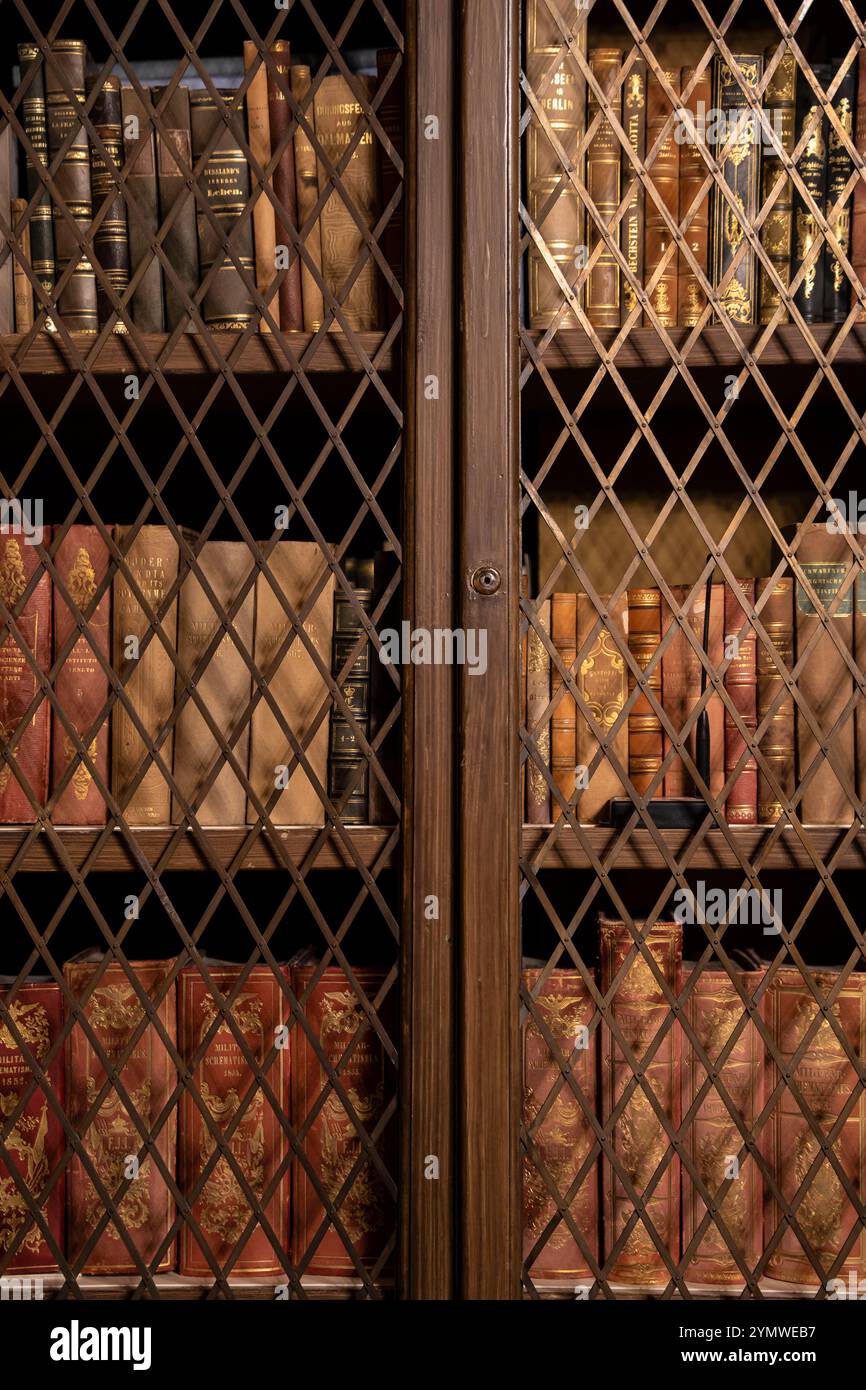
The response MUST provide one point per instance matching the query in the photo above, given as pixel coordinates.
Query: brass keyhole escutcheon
(486, 580)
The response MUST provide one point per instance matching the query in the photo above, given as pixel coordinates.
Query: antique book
(557, 1124)
(603, 169)
(384, 693)
(36, 1142)
(640, 1008)
(733, 213)
(858, 203)
(553, 202)
(110, 240)
(264, 217)
(225, 181)
(391, 118)
(632, 223)
(665, 174)
(563, 631)
(537, 700)
(33, 117)
(307, 188)
(23, 289)
(223, 684)
(280, 116)
(345, 755)
(603, 683)
(860, 707)
(840, 167)
(77, 301)
(778, 743)
(826, 1078)
(7, 274)
(741, 807)
(227, 1084)
(777, 231)
(691, 295)
(19, 684)
(81, 683)
(715, 705)
(296, 683)
(644, 725)
(825, 681)
(152, 559)
(147, 305)
(713, 1139)
(338, 1022)
(681, 688)
(812, 168)
(174, 154)
(116, 1015)
(337, 117)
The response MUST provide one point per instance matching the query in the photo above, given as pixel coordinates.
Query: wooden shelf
(572, 349)
(770, 1288)
(179, 1288)
(714, 852)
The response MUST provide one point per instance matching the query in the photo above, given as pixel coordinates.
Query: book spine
(714, 705)
(681, 689)
(34, 119)
(563, 631)
(110, 240)
(691, 295)
(18, 685)
(345, 755)
(603, 170)
(777, 231)
(22, 286)
(307, 181)
(858, 215)
(264, 217)
(81, 683)
(601, 680)
(563, 1136)
(225, 182)
(383, 693)
(778, 743)
(665, 173)
(741, 170)
(812, 168)
(337, 117)
(66, 69)
(140, 150)
(634, 95)
(537, 700)
(173, 142)
(7, 274)
(285, 188)
(840, 167)
(391, 118)
(740, 683)
(644, 726)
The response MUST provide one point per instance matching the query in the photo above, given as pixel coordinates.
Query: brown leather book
(33, 116)
(559, 1130)
(563, 630)
(391, 109)
(224, 685)
(552, 199)
(81, 683)
(691, 296)
(776, 233)
(345, 755)
(36, 1142)
(603, 682)
(114, 1011)
(713, 1138)
(633, 220)
(7, 276)
(338, 115)
(264, 217)
(225, 1081)
(825, 682)
(858, 212)
(741, 807)
(295, 681)
(307, 185)
(143, 221)
(280, 117)
(152, 558)
(715, 705)
(72, 181)
(337, 1021)
(840, 167)
(603, 168)
(110, 240)
(640, 1009)
(778, 743)
(741, 171)
(681, 688)
(225, 182)
(173, 143)
(18, 683)
(644, 725)
(826, 1079)
(537, 700)
(665, 174)
(23, 289)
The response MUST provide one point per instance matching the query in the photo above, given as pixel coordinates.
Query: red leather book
(258, 1143)
(114, 1011)
(741, 807)
(36, 1142)
(81, 683)
(18, 683)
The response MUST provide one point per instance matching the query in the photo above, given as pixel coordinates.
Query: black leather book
(812, 168)
(840, 166)
(35, 123)
(345, 755)
(110, 240)
(225, 180)
(181, 240)
(741, 170)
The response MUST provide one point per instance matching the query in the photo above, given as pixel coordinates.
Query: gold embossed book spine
(665, 174)
(778, 228)
(733, 213)
(110, 239)
(632, 224)
(65, 72)
(537, 699)
(603, 168)
(778, 743)
(603, 684)
(81, 683)
(840, 167)
(644, 726)
(812, 168)
(35, 122)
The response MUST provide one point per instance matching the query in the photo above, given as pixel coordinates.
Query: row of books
(568, 744)
(714, 110)
(181, 1128)
(159, 162)
(96, 632)
(719, 1120)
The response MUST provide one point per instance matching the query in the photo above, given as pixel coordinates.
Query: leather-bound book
(691, 295)
(603, 169)
(840, 167)
(264, 217)
(7, 276)
(280, 116)
(33, 117)
(295, 681)
(714, 1010)
(778, 743)
(632, 224)
(537, 700)
(338, 115)
(22, 288)
(18, 683)
(152, 559)
(115, 1011)
(224, 685)
(714, 705)
(681, 688)
(825, 681)
(563, 1137)
(603, 684)
(345, 755)
(812, 168)
(36, 1142)
(66, 69)
(563, 631)
(552, 199)
(644, 725)
(860, 707)
(225, 1082)
(143, 220)
(665, 174)
(777, 231)
(173, 142)
(826, 1079)
(858, 212)
(639, 1138)
(307, 186)
(741, 171)
(384, 695)
(110, 240)
(338, 1022)
(225, 182)
(741, 807)
(391, 117)
(81, 683)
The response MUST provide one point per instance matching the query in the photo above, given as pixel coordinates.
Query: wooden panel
(640, 852)
(48, 354)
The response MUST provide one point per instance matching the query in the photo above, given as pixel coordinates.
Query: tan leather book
(224, 686)
(603, 683)
(776, 233)
(337, 116)
(691, 296)
(858, 214)
(295, 682)
(22, 286)
(633, 219)
(665, 174)
(715, 705)
(563, 630)
(741, 807)
(603, 167)
(681, 688)
(644, 725)
(264, 219)
(152, 558)
(777, 745)
(537, 699)
(307, 181)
